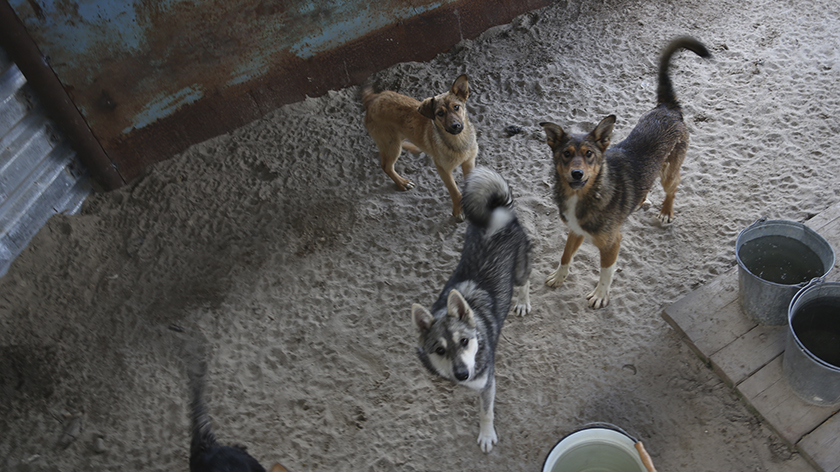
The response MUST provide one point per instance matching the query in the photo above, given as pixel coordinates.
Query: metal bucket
(811, 362)
(598, 447)
(776, 258)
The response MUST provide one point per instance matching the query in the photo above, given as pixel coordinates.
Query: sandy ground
(283, 254)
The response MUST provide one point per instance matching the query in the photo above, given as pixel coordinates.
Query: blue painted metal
(147, 78)
(351, 22)
(164, 106)
(150, 58)
(78, 26)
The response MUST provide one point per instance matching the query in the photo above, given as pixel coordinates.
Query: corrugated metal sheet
(39, 174)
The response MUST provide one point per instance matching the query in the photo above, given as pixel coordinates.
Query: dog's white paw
(599, 298)
(522, 309)
(558, 276)
(487, 438)
(665, 218)
(459, 217)
(523, 301)
(646, 204)
(408, 185)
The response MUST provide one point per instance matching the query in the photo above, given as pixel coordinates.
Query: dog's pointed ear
(458, 307)
(461, 87)
(422, 318)
(427, 108)
(554, 134)
(603, 132)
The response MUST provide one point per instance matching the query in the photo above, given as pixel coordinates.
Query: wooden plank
(822, 446)
(749, 353)
(749, 357)
(830, 215)
(724, 327)
(709, 317)
(772, 397)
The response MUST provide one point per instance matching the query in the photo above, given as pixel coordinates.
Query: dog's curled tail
(487, 200)
(665, 91)
(366, 93)
(202, 435)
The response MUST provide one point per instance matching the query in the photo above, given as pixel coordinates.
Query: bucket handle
(803, 286)
(757, 222)
(646, 461)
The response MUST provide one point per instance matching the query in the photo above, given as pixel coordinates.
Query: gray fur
(494, 259)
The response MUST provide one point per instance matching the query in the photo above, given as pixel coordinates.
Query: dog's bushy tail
(202, 434)
(665, 91)
(487, 200)
(366, 92)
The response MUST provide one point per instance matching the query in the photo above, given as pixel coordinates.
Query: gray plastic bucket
(811, 362)
(599, 447)
(765, 296)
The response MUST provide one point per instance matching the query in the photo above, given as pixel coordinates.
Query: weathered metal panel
(39, 174)
(127, 64)
(153, 76)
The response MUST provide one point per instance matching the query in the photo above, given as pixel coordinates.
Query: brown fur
(438, 126)
(597, 187)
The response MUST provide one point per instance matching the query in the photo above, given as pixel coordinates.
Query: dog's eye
(588, 153)
(464, 342)
(457, 107)
(567, 154)
(441, 113)
(440, 351)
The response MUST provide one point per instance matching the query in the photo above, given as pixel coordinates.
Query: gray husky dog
(458, 336)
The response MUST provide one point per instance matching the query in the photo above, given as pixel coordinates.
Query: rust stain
(186, 46)
(236, 56)
(201, 46)
(36, 8)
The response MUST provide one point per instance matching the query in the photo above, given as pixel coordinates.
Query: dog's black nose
(456, 127)
(577, 174)
(462, 374)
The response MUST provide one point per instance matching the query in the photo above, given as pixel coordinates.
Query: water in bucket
(597, 457)
(817, 325)
(811, 362)
(595, 449)
(781, 260)
(775, 259)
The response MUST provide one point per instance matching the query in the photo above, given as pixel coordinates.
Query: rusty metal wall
(151, 77)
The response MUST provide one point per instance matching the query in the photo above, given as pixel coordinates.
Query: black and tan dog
(206, 454)
(597, 187)
(438, 126)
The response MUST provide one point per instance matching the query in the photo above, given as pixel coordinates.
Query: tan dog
(596, 186)
(438, 126)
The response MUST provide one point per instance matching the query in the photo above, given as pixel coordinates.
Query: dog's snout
(577, 174)
(462, 374)
(454, 127)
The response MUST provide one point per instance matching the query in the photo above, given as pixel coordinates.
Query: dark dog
(207, 455)
(458, 337)
(597, 187)
(438, 126)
